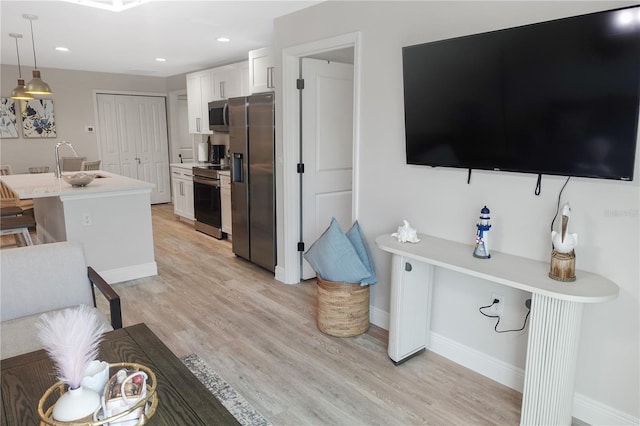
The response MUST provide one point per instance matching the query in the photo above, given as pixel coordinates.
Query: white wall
(73, 102)
(439, 201)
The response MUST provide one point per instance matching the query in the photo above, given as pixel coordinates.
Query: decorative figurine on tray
(563, 256)
(482, 246)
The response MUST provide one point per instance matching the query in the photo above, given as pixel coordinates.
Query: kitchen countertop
(188, 165)
(41, 185)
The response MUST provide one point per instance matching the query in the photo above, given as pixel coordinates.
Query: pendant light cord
(18, 54)
(33, 44)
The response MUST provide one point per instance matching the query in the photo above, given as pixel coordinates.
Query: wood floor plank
(260, 335)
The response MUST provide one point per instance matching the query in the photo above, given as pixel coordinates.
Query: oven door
(206, 201)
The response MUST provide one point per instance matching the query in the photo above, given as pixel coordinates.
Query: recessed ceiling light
(223, 39)
(161, 60)
(62, 49)
(112, 5)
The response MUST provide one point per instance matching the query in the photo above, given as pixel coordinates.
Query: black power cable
(527, 304)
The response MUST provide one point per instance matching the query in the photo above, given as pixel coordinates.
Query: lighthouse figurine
(482, 247)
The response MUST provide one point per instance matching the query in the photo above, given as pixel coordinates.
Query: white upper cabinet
(261, 70)
(231, 81)
(199, 93)
(223, 82)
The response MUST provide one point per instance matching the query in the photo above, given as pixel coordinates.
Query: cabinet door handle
(197, 124)
(408, 267)
(137, 159)
(222, 89)
(181, 188)
(270, 84)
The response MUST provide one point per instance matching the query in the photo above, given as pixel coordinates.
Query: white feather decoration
(71, 337)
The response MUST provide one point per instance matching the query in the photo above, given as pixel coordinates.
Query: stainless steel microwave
(219, 116)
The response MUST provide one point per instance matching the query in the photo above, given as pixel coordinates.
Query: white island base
(111, 217)
(556, 314)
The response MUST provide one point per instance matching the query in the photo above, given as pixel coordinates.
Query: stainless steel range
(206, 200)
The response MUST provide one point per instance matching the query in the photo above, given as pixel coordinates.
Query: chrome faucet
(58, 172)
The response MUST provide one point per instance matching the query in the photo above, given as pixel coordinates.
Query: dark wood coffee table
(183, 400)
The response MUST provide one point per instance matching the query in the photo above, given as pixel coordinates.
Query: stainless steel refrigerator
(252, 145)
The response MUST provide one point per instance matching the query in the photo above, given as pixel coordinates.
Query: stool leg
(27, 236)
(20, 242)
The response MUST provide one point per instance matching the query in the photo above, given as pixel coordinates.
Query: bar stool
(19, 227)
(10, 211)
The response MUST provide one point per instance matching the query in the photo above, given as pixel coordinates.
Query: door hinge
(300, 83)
(300, 168)
(300, 246)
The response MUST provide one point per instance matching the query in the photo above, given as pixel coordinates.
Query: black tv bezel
(515, 169)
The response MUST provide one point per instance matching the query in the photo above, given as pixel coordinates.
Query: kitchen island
(111, 217)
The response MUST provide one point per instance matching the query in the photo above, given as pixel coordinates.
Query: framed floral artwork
(38, 120)
(8, 127)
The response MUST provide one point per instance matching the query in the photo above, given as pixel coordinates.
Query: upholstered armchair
(43, 278)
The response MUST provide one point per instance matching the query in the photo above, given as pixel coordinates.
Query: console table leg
(552, 354)
(410, 310)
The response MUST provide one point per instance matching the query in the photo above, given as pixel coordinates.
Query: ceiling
(127, 42)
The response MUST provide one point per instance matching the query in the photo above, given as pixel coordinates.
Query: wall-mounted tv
(559, 97)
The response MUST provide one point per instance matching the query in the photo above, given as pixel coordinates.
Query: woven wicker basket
(343, 308)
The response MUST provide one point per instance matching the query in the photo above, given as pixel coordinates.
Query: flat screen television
(558, 97)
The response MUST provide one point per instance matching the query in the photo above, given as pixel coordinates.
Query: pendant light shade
(36, 86)
(20, 91)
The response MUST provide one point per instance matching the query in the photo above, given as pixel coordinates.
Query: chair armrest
(109, 293)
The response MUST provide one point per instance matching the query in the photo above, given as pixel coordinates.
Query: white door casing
(288, 269)
(132, 135)
(327, 149)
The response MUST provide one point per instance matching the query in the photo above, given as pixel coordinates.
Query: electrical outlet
(86, 219)
(498, 307)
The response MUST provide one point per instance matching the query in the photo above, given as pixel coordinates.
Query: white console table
(556, 314)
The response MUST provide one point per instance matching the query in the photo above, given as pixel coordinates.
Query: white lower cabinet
(182, 185)
(225, 202)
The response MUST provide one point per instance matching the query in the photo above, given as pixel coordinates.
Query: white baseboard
(586, 409)
(281, 275)
(119, 275)
(477, 361)
(596, 413)
(379, 317)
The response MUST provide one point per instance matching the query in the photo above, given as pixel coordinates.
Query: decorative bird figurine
(563, 241)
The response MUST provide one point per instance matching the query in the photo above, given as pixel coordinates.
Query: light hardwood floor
(260, 336)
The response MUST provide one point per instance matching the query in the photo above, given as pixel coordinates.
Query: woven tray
(148, 403)
(343, 308)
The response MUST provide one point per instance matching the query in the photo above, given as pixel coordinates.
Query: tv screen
(558, 97)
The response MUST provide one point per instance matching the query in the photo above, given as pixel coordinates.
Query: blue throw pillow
(360, 245)
(334, 258)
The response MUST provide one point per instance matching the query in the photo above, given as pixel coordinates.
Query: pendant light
(19, 91)
(36, 86)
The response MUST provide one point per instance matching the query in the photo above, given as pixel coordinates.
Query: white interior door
(114, 152)
(327, 148)
(132, 135)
